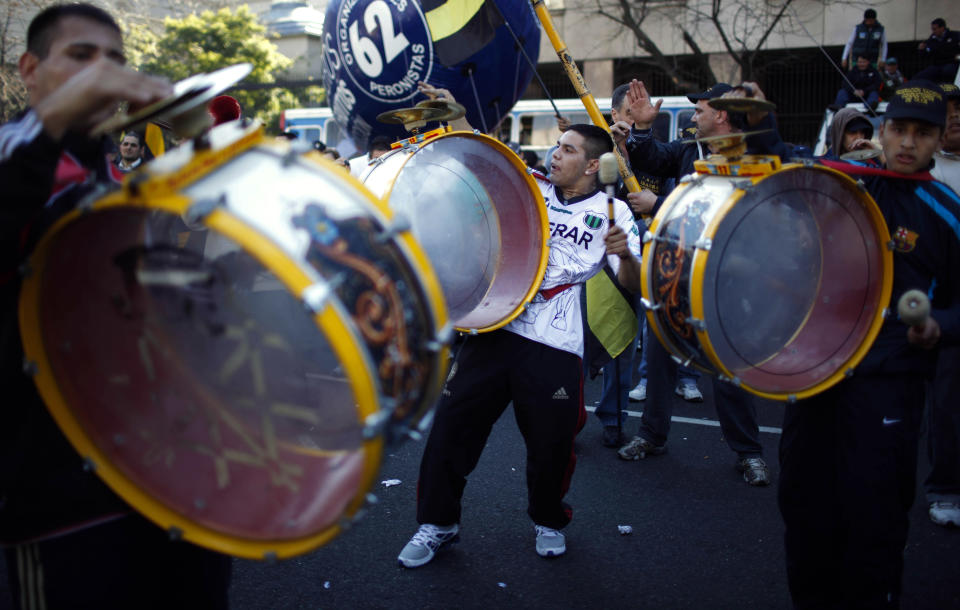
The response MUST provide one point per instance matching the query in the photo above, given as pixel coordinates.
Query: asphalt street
(701, 537)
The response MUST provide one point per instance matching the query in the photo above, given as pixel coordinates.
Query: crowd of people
(848, 456)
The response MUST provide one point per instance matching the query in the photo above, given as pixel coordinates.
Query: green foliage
(210, 41)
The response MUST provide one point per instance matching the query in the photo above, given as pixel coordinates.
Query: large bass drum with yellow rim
(478, 214)
(776, 281)
(229, 339)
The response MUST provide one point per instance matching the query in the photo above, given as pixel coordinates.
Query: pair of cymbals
(186, 109)
(427, 110)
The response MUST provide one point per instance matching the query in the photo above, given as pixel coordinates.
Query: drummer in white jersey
(535, 361)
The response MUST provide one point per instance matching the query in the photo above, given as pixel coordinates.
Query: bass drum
(229, 339)
(478, 214)
(777, 282)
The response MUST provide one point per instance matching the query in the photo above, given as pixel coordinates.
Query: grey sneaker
(689, 391)
(639, 393)
(424, 544)
(550, 542)
(755, 471)
(638, 448)
(946, 514)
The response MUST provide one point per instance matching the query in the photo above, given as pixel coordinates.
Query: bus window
(503, 131)
(661, 127)
(543, 132)
(311, 134)
(683, 119)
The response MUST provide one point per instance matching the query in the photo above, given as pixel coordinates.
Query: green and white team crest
(594, 222)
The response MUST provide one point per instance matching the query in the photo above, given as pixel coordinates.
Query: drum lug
(650, 305)
(697, 324)
(891, 245)
(861, 185)
(792, 399)
(399, 224)
(804, 161)
(374, 423)
(743, 185)
(848, 373)
(202, 208)
(704, 243)
(444, 336)
(30, 367)
(174, 533)
(648, 237)
(315, 296)
(886, 313)
(270, 556)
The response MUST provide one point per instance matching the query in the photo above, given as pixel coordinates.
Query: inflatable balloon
(375, 52)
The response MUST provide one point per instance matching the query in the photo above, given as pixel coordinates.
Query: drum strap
(549, 293)
(861, 170)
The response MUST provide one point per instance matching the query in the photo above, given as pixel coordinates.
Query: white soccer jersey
(577, 252)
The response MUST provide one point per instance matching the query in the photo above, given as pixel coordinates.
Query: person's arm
(438, 93)
(882, 57)
(845, 58)
(650, 155)
(623, 248)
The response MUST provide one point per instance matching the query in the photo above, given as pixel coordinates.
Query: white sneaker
(639, 393)
(689, 391)
(946, 514)
(550, 542)
(425, 543)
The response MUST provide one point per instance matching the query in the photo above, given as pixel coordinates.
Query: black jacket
(44, 489)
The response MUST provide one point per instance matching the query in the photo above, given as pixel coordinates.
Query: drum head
(794, 285)
(187, 370)
(480, 219)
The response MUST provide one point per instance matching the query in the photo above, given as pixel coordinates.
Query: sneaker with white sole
(639, 393)
(946, 514)
(425, 543)
(689, 391)
(755, 471)
(550, 542)
(638, 448)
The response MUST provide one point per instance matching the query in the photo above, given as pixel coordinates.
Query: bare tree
(742, 26)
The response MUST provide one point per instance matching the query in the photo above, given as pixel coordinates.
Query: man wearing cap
(942, 485)
(848, 456)
(868, 39)
(940, 52)
(891, 77)
(736, 410)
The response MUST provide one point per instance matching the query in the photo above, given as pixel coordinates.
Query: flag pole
(573, 73)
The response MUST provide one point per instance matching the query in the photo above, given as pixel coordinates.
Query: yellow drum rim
(886, 290)
(330, 321)
(541, 211)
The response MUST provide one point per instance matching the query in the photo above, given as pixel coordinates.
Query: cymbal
(741, 104)
(189, 95)
(728, 140)
(862, 154)
(410, 118)
(453, 110)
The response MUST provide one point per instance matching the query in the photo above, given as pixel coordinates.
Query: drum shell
(479, 216)
(786, 317)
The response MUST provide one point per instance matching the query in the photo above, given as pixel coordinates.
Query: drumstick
(608, 177)
(914, 307)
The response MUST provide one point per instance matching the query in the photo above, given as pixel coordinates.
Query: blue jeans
(845, 97)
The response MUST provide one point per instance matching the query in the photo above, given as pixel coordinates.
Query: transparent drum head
(197, 384)
(478, 216)
(780, 286)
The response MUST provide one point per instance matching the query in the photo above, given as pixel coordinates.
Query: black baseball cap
(950, 91)
(919, 100)
(891, 60)
(711, 93)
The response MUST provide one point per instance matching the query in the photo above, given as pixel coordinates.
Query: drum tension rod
(399, 224)
(201, 208)
(315, 296)
(443, 337)
(649, 306)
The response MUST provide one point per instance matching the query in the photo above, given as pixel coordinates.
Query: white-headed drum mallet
(914, 308)
(609, 170)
